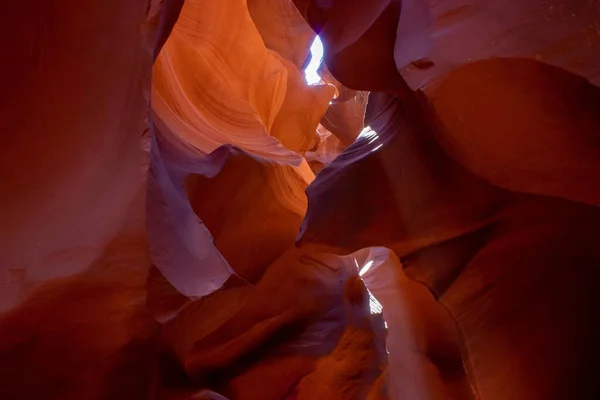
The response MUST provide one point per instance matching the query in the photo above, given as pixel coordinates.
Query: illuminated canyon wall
(184, 217)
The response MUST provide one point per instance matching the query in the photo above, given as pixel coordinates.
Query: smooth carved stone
(73, 164)
(563, 33)
(163, 300)
(201, 318)
(181, 244)
(494, 258)
(252, 207)
(163, 15)
(328, 149)
(282, 28)
(359, 36)
(422, 342)
(224, 89)
(297, 305)
(349, 372)
(214, 85)
(548, 145)
(353, 367)
(74, 256)
(420, 191)
(343, 93)
(272, 377)
(521, 339)
(431, 38)
(301, 111)
(488, 203)
(181, 247)
(346, 120)
(279, 329)
(79, 337)
(413, 36)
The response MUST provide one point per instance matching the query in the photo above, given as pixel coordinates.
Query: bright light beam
(374, 305)
(365, 268)
(316, 56)
(370, 136)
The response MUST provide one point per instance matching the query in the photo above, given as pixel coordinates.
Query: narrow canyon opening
(317, 52)
(312, 77)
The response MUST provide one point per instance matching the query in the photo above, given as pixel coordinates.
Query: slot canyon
(203, 199)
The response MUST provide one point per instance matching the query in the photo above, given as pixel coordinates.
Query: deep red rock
(494, 258)
(147, 249)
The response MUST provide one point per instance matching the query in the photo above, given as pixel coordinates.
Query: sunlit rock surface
(214, 227)
(282, 28)
(268, 323)
(328, 149)
(215, 85)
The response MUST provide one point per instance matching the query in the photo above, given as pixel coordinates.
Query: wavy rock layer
(212, 86)
(422, 343)
(282, 28)
(215, 85)
(298, 319)
(255, 209)
(494, 258)
(305, 327)
(148, 252)
(74, 255)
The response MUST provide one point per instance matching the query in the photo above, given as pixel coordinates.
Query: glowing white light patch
(374, 305)
(365, 268)
(368, 134)
(377, 147)
(316, 51)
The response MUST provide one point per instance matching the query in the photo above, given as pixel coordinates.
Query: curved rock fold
(184, 217)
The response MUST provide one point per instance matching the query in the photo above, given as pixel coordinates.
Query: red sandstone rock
(496, 259)
(524, 126)
(563, 33)
(72, 166)
(255, 209)
(343, 93)
(486, 190)
(180, 245)
(303, 107)
(294, 316)
(214, 85)
(205, 97)
(423, 344)
(359, 36)
(346, 120)
(282, 28)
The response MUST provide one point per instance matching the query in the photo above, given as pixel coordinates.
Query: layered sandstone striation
(183, 217)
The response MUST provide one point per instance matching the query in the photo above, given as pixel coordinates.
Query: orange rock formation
(183, 217)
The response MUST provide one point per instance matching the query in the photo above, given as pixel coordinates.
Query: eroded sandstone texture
(183, 217)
